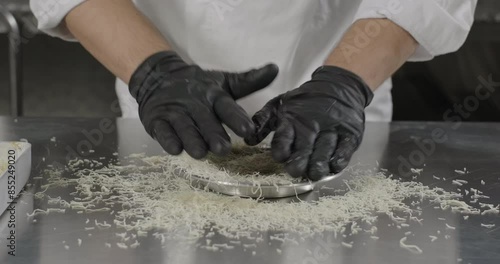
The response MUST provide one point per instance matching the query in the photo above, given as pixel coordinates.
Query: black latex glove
(318, 126)
(183, 106)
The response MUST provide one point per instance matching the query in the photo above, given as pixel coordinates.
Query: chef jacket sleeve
(439, 26)
(50, 14)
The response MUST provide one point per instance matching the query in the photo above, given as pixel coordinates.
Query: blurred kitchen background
(61, 79)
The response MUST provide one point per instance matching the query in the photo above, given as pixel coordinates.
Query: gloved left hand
(183, 106)
(318, 126)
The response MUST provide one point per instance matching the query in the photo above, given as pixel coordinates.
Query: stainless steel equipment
(249, 189)
(475, 146)
(15, 57)
(17, 155)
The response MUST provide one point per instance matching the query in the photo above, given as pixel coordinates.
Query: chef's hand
(183, 106)
(318, 126)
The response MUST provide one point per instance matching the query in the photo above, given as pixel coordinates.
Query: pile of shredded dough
(246, 160)
(248, 165)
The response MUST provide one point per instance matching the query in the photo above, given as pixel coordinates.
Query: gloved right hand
(183, 106)
(319, 125)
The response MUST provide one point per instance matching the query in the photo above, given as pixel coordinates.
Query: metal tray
(253, 191)
(248, 189)
(21, 172)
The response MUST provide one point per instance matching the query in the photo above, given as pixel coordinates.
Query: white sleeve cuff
(50, 13)
(439, 26)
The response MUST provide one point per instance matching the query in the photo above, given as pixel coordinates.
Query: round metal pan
(247, 189)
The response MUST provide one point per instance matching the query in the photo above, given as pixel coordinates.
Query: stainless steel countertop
(475, 146)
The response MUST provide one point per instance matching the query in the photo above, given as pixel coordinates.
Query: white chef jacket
(236, 35)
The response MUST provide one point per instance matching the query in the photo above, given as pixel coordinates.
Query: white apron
(236, 35)
(297, 35)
